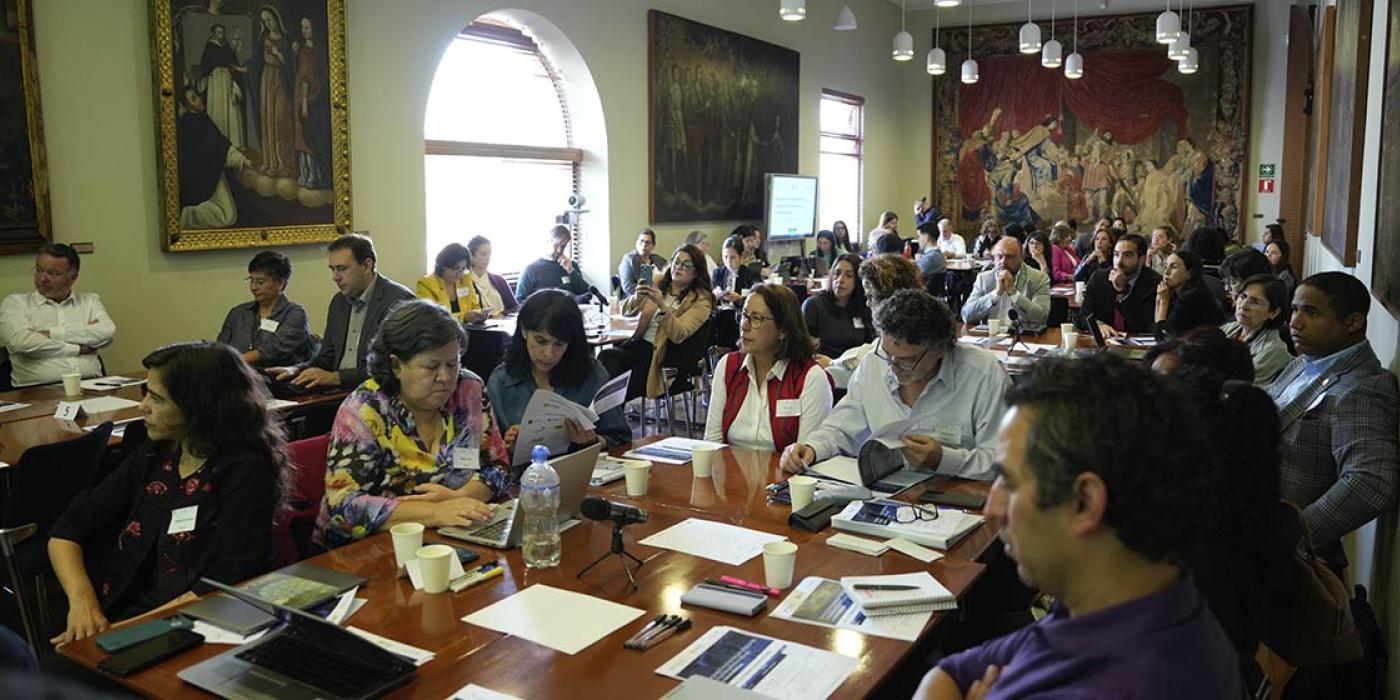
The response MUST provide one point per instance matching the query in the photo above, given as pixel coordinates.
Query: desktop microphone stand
(620, 550)
(1015, 332)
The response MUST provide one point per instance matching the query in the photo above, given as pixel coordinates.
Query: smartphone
(645, 273)
(151, 652)
(956, 499)
(464, 555)
(117, 640)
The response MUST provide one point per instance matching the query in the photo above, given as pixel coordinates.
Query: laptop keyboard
(493, 532)
(313, 666)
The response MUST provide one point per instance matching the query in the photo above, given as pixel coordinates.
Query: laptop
(306, 657)
(301, 586)
(505, 531)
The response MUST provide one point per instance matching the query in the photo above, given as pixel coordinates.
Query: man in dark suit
(1338, 414)
(353, 319)
(1122, 298)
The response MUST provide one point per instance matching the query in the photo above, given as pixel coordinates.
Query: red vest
(736, 386)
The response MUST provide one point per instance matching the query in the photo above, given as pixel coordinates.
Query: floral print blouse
(376, 456)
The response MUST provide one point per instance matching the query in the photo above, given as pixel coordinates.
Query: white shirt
(752, 427)
(961, 407)
(952, 245)
(78, 320)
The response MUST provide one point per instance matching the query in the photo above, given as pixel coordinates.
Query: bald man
(1010, 284)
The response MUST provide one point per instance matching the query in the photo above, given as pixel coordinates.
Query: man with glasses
(271, 329)
(53, 330)
(919, 389)
(1009, 285)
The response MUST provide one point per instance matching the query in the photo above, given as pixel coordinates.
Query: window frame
(856, 138)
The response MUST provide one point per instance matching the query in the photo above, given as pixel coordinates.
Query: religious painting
(1385, 267)
(24, 188)
(1132, 138)
(253, 122)
(1351, 58)
(723, 113)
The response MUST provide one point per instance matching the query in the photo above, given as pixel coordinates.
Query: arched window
(500, 160)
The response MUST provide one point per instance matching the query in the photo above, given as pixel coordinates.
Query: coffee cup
(435, 566)
(702, 458)
(801, 489)
(73, 384)
(779, 561)
(408, 539)
(638, 473)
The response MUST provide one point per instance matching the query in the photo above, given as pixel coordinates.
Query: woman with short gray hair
(416, 441)
(701, 240)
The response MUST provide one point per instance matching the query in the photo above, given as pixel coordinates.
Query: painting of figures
(723, 111)
(1132, 138)
(253, 125)
(24, 191)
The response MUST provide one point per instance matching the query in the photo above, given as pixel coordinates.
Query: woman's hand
(578, 435)
(433, 493)
(509, 438)
(458, 512)
(85, 619)
(477, 315)
(822, 360)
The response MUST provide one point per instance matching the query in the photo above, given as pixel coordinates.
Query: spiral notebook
(928, 594)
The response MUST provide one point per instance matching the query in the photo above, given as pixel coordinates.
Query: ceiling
(1086, 7)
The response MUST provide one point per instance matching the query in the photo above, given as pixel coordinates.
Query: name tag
(789, 408)
(564, 279)
(466, 457)
(182, 520)
(947, 436)
(858, 323)
(268, 325)
(463, 291)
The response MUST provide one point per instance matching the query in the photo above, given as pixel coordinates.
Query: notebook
(886, 519)
(928, 597)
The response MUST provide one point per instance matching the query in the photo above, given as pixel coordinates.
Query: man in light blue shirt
(919, 388)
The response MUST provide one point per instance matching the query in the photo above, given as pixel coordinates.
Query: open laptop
(505, 530)
(306, 657)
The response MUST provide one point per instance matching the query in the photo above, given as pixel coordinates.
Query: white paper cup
(801, 488)
(702, 458)
(73, 384)
(408, 539)
(1079, 288)
(1066, 329)
(637, 475)
(993, 326)
(434, 564)
(779, 560)
(1070, 340)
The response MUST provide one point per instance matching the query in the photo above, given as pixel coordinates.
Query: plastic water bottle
(539, 503)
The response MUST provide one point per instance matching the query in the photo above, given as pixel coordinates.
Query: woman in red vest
(770, 393)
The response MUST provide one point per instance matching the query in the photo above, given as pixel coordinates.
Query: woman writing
(416, 442)
(449, 287)
(196, 500)
(550, 353)
(668, 313)
(1183, 300)
(770, 393)
(1261, 322)
(838, 317)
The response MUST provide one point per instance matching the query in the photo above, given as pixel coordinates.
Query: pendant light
(947, 3)
(792, 10)
(903, 41)
(845, 20)
(1030, 33)
(1168, 25)
(937, 63)
(1074, 63)
(1177, 49)
(1052, 54)
(1190, 61)
(969, 67)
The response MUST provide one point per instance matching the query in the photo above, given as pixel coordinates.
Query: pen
(477, 576)
(670, 621)
(750, 585)
(732, 587)
(667, 633)
(631, 641)
(883, 587)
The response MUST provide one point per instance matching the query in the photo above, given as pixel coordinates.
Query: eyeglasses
(50, 274)
(683, 265)
(754, 320)
(259, 281)
(908, 513)
(1249, 302)
(901, 366)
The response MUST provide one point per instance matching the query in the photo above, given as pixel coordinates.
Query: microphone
(595, 508)
(593, 291)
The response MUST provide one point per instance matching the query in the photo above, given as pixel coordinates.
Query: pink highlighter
(751, 585)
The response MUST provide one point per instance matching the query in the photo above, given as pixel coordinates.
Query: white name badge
(789, 408)
(182, 520)
(858, 323)
(947, 436)
(466, 458)
(564, 279)
(463, 291)
(268, 325)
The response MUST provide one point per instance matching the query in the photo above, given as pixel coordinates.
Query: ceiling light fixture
(1168, 25)
(969, 67)
(1030, 33)
(845, 20)
(792, 10)
(1052, 54)
(937, 63)
(1190, 62)
(903, 41)
(1074, 63)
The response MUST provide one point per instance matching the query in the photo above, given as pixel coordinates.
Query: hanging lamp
(1074, 63)
(845, 20)
(1052, 54)
(1030, 33)
(969, 67)
(1168, 25)
(903, 41)
(792, 10)
(937, 63)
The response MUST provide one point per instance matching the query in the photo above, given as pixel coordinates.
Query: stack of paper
(823, 602)
(545, 416)
(904, 594)
(672, 450)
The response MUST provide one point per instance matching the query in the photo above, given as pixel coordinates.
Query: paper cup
(779, 560)
(408, 539)
(637, 476)
(993, 326)
(1070, 340)
(702, 458)
(1066, 329)
(801, 488)
(73, 384)
(434, 564)
(1079, 288)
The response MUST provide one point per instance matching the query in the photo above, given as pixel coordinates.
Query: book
(928, 595)
(886, 519)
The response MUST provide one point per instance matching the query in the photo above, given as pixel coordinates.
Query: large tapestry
(24, 189)
(1132, 138)
(723, 111)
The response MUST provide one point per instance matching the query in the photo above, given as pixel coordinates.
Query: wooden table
(619, 328)
(468, 654)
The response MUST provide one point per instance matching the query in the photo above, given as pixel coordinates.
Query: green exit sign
(1266, 170)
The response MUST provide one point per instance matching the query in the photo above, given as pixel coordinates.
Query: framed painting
(252, 122)
(24, 181)
(1385, 265)
(1351, 59)
(1133, 137)
(723, 113)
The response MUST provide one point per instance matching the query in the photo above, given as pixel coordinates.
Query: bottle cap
(540, 453)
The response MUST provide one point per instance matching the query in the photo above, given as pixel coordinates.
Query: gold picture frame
(234, 81)
(24, 189)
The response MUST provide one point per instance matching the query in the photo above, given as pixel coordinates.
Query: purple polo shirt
(1163, 645)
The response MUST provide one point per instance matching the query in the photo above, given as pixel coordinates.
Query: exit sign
(1266, 170)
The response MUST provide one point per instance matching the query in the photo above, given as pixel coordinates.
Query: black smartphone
(151, 652)
(956, 499)
(464, 555)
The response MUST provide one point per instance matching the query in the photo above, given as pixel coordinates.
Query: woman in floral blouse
(197, 500)
(416, 441)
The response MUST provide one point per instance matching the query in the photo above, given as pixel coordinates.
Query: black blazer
(1100, 299)
(1192, 308)
(386, 294)
(746, 280)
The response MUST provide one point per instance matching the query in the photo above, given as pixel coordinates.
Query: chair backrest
(47, 477)
(685, 356)
(293, 528)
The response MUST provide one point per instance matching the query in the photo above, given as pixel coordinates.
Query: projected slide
(791, 206)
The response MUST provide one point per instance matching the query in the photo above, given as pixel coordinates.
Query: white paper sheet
(543, 424)
(415, 572)
(819, 601)
(346, 606)
(218, 635)
(672, 450)
(562, 620)
(104, 404)
(476, 692)
(917, 551)
(769, 666)
(611, 394)
(412, 653)
(109, 383)
(707, 539)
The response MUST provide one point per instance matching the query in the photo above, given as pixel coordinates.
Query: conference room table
(466, 653)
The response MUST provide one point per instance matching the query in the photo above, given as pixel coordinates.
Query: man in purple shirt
(1101, 486)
